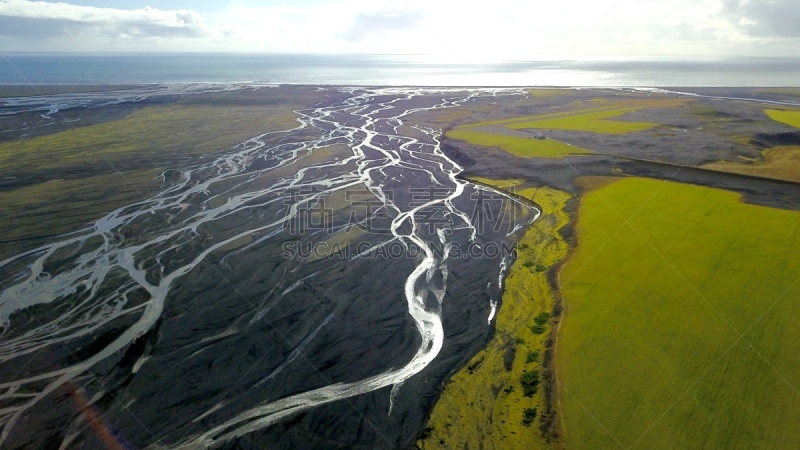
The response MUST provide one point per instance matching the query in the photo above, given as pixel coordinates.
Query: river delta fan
(327, 267)
(169, 288)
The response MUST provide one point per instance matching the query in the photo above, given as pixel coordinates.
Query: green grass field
(595, 122)
(682, 321)
(518, 146)
(146, 133)
(788, 117)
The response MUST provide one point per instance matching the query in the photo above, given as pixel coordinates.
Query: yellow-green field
(595, 120)
(517, 146)
(178, 129)
(782, 163)
(681, 324)
(550, 92)
(574, 119)
(483, 405)
(791, 117)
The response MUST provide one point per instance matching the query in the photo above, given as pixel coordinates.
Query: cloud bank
(460, 31)
(368, 26)
(766, 18)
(25, 20)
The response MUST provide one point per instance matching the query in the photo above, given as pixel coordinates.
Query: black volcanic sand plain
(239, 331)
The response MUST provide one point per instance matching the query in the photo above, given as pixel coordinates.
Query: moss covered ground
(145, 133)
(497, 401)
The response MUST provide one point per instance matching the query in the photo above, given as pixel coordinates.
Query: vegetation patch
(682, 321)
(549, 92)
(620, 107)
(505, 134)
(595, 122)
(483, 405)
(145, 133)
(589, 183)
(523, 147)
(528, 416)
(790, 117)
(530, 383)
(782, 163)
(538, 329)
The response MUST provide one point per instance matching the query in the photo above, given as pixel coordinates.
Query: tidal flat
(328, 267)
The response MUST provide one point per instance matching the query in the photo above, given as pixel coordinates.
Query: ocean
(389, 70)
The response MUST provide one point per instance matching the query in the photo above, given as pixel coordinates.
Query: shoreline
(60, 89)
(637, 87)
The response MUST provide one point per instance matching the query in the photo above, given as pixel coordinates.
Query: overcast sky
(459, 30)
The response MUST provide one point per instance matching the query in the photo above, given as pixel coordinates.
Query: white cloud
(67, 25)
(766, 18)
(366, 26)
(460, 31)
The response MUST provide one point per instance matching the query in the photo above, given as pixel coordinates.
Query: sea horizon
(358, 69)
